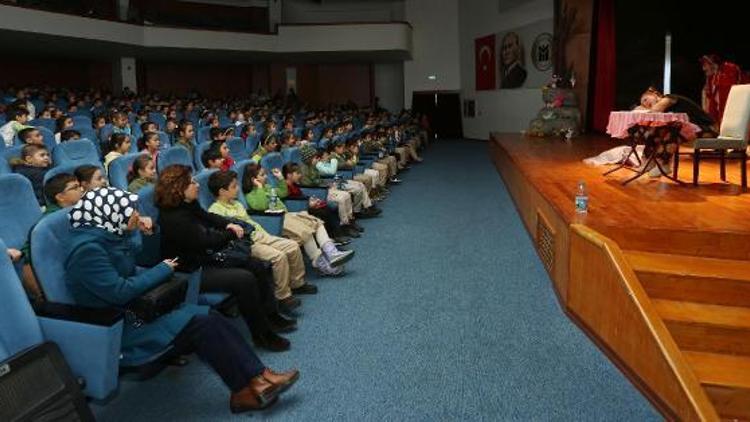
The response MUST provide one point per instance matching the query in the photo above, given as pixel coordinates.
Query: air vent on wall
(545, 242)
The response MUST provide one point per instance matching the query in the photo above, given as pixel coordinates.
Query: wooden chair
(732, 135)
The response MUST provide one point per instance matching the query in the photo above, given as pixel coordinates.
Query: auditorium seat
(252, 142)
(81, 151)
(203, 135)
(238, 149)
(81, 120)
(48, 136)
(205, 197)
(164, 140)
(12, 152)
(198, 153)
(291, 155)
(270, 161)
(118, 170)
(47, 123)
(174, 155)
(4, 166)
(158, 118)
(88, 339)
(19, 209)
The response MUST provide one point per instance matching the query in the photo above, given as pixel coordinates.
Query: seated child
(147, 127)
(70, 135)
(149, 143)
(119, 145)
(120, 123)
(18, 119)
(327, 165)
(302, 227)
(268, 145)
(31, 135)
(284, 254)
(223, 149)
(63, 123)
(142, 173)
(90, 177)
(212, 159)
(316, 207)
(33, 164)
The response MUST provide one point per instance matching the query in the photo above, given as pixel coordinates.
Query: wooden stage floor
(711, 220)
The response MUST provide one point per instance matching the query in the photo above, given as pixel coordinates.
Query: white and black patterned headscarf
(106, 208)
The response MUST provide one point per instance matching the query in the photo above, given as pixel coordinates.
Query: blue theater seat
(50, 124)
(238, 149)
(19, 210)
(174, 155)
(158, 118)
(119, 168)
(81, 151)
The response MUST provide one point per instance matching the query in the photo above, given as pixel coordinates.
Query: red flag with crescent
(484, 62)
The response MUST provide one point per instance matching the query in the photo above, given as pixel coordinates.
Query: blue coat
(100, 272)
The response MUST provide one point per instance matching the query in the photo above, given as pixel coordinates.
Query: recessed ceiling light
(432, 77)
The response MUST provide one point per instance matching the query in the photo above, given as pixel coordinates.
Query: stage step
(707, 328)
(693, 279)
(726, 380)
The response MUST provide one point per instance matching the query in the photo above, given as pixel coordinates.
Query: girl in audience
(227, 160)
(269, 145)
(327, 165)
(185, 135)
(90, 177)
(149, 143)
(101, 272)
(308, 231)
(196, 236)
(142, 173)
(120, 123)
(63, 123)
(119, 145)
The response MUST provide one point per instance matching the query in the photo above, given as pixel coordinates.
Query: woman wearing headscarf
(101, 272)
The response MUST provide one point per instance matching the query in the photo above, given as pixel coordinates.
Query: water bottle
(582, 198)
(273, 202)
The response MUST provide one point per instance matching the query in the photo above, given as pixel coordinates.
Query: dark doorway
(444, 111)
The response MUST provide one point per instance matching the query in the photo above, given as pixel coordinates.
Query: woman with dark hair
(653, 100)
(194, 235)
(101, 272)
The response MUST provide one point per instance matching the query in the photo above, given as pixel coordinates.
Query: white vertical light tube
(667, 63)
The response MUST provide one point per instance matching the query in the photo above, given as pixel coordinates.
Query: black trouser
(330, 219)
(254, 296)
(222, 347)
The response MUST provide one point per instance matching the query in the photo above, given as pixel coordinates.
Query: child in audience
(221, 146)
(147, 127)
(344, 200)
(267, 146)
(61, 191)
(378, 172)
(142, 173)
(185, 135)
(31, 135)
(363, 207)
(119, 145)
(150, 143)
(284, 254)
(63, 123)
(70, 135)
(90, 177)
(99, 123)
(171, 129)
(316, 207)
(212, 159)
(18, 116)
(288, 140)
(301, 227)
(120, 123)
(33, 164)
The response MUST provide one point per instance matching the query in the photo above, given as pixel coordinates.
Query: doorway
(443, 109)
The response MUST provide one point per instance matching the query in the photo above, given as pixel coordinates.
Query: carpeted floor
(447, 314)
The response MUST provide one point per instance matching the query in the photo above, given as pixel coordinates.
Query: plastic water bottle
(582, 198)
(273, 201)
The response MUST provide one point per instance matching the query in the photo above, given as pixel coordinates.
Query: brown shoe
(259, 394)
(282, 380)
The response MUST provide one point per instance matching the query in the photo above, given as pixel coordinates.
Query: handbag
(235, 255)
(156, 302)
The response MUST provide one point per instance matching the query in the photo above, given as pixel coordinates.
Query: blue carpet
(447, 314)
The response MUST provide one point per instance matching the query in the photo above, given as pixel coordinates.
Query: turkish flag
(484, 62)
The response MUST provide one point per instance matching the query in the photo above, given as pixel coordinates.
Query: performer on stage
(653, 100)
(720, 76)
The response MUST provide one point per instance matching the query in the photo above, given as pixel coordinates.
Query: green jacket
(310, 175)
(139, 183)
(258, 154)
(258, 198)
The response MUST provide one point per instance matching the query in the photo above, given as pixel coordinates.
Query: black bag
(235, 255)
(156, 302)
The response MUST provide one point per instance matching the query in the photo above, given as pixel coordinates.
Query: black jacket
(192, 234)
(36, 176)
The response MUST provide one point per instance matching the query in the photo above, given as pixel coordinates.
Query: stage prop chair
(732, 136)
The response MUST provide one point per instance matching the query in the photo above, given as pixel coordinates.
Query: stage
(657, 273)
(657, 215)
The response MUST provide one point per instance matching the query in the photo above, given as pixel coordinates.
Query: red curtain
(605, 78)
